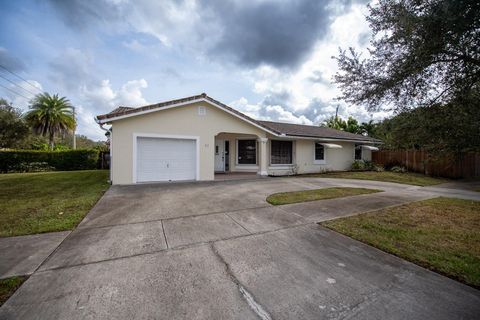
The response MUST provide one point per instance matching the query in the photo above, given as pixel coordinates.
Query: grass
(440, 234)
(49, 201)
(9, 286)
(416, 179)
(316, 194)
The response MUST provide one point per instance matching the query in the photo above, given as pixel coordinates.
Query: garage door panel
(162, 159)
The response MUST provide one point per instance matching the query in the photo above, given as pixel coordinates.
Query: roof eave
(333, 138)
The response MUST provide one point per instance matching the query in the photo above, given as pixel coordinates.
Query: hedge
(15, 160)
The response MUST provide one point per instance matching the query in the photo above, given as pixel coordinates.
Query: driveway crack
(246, 295)
(164, 234)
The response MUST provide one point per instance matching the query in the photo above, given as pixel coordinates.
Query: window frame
(318, 161)
(355, 152)
(237, 163)
(281, 164)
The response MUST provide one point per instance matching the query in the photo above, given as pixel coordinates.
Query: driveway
(219, 251)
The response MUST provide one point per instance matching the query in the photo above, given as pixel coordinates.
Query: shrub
(398, 169)
(19, 160)
(31, 167)
(358, 165)
(365, 165)
(392, 163)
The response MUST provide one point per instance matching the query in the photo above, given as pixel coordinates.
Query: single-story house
(195, 137)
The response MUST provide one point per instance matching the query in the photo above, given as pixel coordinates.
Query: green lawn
(406, 178)
(48, 201)
(316, 194)
(440, 234)
(9, 286)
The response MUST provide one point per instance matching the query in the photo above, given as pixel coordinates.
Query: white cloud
(261, 111)
(130, 94)
(308, 92)
(102, 98)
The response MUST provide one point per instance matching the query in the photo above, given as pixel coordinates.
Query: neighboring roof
(301, 130)
(277, 128)
(120, 110)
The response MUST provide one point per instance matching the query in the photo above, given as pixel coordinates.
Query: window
(319, 152)
(358, 152)
(202, 111)
(247, 152)
(281, 152)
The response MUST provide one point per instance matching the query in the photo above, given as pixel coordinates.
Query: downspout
(109, 137)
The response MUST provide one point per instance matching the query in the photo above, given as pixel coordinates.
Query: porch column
(263, 164)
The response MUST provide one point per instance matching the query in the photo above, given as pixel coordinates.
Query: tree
(423, 53)
(451, 128)
(13, 128)
(50, 116)
(83, 142)
(336, 122)
(369, 128)
(351, 125)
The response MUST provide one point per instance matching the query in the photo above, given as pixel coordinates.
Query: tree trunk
(50, 141)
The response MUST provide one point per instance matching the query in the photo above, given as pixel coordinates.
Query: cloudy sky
(268, 58)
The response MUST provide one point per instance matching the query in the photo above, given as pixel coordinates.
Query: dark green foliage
(452, 128)
(364, 165)
(11, 161)
(13, 128)
(424, 63)
(422, 53)
(358, 165)
(32, 167)
(349, 125)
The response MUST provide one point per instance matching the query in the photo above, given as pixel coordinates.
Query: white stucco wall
(304, 152)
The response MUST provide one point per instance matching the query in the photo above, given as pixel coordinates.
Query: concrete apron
(259, 262)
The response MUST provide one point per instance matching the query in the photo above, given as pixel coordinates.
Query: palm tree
(50, 116)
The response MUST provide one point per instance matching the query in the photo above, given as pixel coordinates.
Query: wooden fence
(104, 160)
(465, 166)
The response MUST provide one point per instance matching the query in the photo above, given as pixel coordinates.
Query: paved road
(219, 251)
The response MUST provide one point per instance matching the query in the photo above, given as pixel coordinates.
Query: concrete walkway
(23, 255)
(217, 250)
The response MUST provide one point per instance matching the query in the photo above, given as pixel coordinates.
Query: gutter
(109, 137)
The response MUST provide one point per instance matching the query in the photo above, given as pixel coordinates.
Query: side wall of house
(304, 158)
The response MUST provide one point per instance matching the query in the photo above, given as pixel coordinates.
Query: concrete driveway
(219, 251)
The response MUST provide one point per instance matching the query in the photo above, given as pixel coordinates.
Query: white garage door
(161, 159)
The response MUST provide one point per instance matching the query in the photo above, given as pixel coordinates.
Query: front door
(219, 156)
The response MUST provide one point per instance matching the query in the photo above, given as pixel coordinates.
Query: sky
(269, 59)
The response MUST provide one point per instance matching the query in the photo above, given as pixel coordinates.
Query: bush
(364, 165)
(393, 163)
(398, 169)
(31, 167)
(20, 160)
(358, 165)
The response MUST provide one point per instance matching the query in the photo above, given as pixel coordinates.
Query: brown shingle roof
(278, 128)
(120, 110)
(302, 130)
